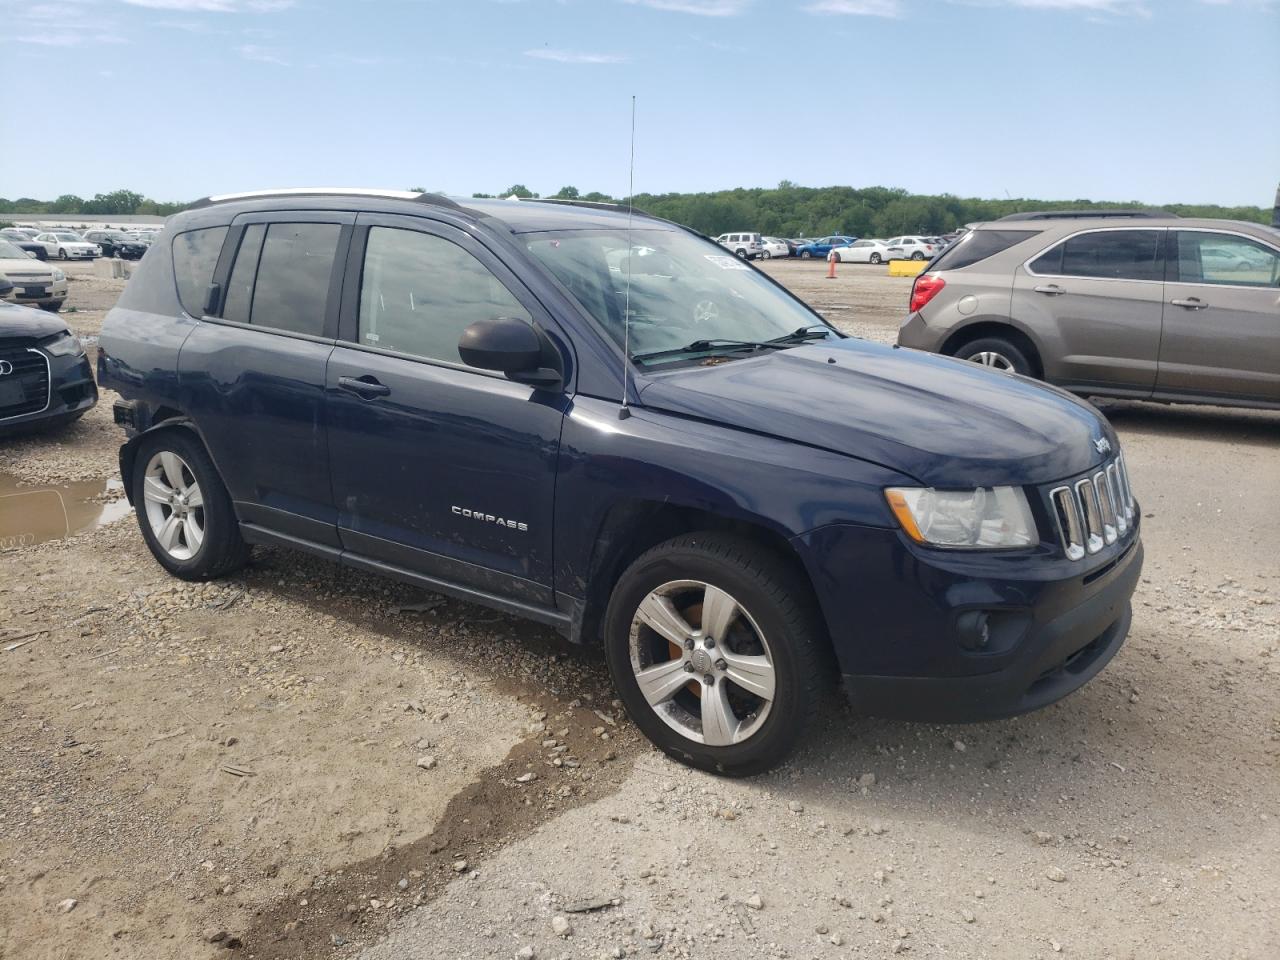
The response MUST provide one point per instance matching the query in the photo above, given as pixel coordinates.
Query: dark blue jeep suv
(607, 424)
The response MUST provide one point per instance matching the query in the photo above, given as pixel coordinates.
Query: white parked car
(773, 247)
(748, 246)
(34, 283)
(864, 251)
(66, 245)
(912, 248)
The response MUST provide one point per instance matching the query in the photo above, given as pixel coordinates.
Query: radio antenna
(625, 411)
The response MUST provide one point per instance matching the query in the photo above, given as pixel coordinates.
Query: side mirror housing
(514, 348)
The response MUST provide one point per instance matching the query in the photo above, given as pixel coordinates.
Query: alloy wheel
(702, 663)
(174, 505)
(989, 358)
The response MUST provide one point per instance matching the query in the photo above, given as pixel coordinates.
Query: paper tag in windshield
(727, 263)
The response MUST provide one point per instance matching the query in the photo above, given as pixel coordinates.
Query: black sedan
(116, 243)
(45, 377)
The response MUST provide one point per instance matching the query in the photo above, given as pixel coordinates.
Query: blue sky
(1150, 100)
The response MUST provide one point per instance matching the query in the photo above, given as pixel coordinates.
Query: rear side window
(1106, 255)
(1226, 259)
(978, 245)
(281, 276)
(418, 292)
(195, 254)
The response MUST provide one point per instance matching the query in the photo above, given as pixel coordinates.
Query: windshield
(683, 290)
(68, 236)
(9, 252)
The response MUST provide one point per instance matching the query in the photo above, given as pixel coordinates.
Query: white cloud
(700, 8)
(573, 56)
(257, 54)
(860, 8)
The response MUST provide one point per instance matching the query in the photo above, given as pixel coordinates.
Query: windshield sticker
(727, 263)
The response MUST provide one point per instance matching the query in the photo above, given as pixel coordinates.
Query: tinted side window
(281, 276)
(419, 292)
(1110, 255)
(978, 245)
(293, 276)
(1226, 259)
(195, 254)
(240, 286)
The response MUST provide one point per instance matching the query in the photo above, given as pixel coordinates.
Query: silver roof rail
(431, 198)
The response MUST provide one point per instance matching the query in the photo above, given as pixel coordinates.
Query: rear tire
(875, 258)
(917, 255)
(769, 634)
(52, 307)
(766, 255)
(200, 542)
(997, 353)
(806, 255)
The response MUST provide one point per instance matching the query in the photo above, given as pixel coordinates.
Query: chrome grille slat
(1094, 511)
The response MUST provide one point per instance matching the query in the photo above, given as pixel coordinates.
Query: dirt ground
(303, 762)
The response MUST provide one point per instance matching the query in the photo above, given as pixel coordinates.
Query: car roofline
(414, 195)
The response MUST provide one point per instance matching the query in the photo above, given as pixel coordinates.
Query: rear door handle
(1052, 289)
(1191, 303)
(366, 387)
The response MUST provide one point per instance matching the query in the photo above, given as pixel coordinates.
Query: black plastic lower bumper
(1056, 659)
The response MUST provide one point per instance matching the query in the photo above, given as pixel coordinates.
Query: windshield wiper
(716, 345)
(814, 331)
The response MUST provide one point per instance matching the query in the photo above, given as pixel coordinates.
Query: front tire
(62, 253)
(875, 258)
(183, 508)
(806, 255)
(997, 353)
(53, 307)
(766, 255)
(714, 649)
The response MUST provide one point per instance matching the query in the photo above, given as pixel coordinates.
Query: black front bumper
(72, 391)
(1054, 658)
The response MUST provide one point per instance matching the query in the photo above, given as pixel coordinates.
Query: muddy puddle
(33, 514)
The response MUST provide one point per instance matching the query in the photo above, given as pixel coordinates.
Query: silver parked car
(1151, 308)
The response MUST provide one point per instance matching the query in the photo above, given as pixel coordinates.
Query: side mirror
(512, 347)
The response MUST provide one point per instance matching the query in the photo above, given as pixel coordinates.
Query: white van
(748, 246)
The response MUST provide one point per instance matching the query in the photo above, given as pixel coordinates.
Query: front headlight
(58, 275)
(985, 518)
(64, 344)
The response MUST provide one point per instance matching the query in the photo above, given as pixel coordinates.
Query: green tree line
(117, 202)
(787, 210)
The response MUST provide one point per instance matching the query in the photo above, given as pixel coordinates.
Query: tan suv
(1141, 306)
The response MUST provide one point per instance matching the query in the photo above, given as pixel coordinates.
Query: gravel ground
(291, 764)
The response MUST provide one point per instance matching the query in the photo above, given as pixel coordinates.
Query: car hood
(945, 422)
(18, 321)
(27, 267)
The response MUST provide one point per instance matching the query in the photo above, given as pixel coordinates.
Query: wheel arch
(632, 527)
(996, 327)
(163, 419)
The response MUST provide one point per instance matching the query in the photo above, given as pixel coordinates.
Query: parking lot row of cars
(848, 249)
(26, 279)
(70, 245)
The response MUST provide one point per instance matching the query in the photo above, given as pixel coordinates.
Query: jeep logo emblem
(1102, 445)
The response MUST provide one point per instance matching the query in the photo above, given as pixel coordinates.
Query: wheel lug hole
(709, 680)
(688, 644)
(721, 666)
(688, 668)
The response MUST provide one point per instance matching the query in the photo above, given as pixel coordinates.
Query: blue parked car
(46, 380)
(623, 431)
(820, 248)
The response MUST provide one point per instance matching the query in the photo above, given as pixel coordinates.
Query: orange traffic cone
(831, 265)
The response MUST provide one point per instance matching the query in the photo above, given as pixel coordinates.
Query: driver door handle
(1051, 289)
(1191, 303)
(366, 387)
